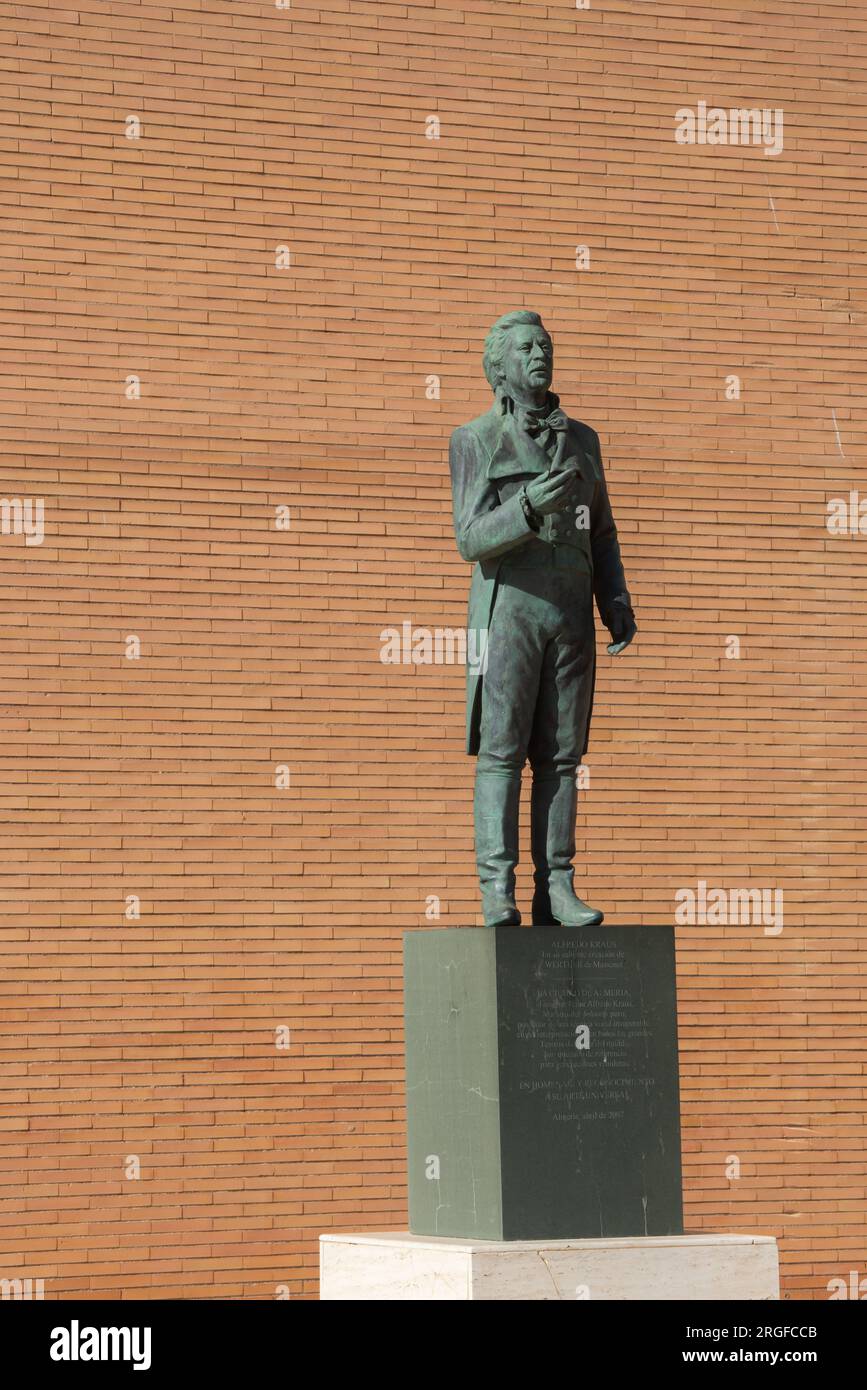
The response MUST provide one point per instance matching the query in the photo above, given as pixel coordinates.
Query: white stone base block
(397, 1267)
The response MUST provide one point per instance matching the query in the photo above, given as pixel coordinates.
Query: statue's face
(528, 361)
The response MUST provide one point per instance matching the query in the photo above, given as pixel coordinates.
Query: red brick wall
(266, 907)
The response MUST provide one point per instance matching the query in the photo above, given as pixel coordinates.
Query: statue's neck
(530, 400)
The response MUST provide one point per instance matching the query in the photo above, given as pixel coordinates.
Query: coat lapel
(512, 453)
(516, 454)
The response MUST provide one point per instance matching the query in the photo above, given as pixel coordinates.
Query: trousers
(536, 702)
(538, 682)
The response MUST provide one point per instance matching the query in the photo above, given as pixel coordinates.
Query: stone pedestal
(544, 1130)
(542, 1083)
(397, 1267)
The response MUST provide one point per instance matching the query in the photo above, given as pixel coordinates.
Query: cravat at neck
(538, 419)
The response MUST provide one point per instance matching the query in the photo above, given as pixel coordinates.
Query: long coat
(489, 460)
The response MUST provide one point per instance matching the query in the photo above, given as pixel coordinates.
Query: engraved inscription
(586, 1034)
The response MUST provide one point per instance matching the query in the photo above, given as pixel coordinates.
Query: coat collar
(512, 453)
(516, 453)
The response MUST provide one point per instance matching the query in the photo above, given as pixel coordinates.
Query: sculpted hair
(492, 358)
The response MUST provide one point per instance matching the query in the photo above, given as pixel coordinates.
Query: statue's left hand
(621, 625)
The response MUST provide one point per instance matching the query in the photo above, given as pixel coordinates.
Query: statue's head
(519, 357)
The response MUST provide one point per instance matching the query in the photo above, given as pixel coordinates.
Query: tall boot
(554, 806)
(496, 802)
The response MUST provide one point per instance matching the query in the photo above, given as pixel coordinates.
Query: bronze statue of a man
(531, 510)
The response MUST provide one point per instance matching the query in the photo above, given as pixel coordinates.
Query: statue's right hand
(551, 492)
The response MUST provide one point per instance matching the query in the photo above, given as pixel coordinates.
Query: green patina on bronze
(531, 510)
